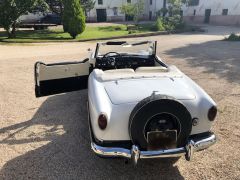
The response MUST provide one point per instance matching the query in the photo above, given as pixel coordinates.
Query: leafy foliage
(174, 7)
(174, 20)
(128, 9)
(133, 9)
(57, 6)
(73, 18)
(233, 37)
(11, 10)
(162, 12)
(174, 23)
(159, 25)
(87, 5)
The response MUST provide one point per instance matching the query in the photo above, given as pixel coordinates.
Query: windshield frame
(118, 43)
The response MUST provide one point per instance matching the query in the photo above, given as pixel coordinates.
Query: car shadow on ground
(218, 57)
(68, 155)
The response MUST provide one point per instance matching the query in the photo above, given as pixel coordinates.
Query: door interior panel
(60, 77)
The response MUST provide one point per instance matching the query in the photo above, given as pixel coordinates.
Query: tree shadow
(218, 57)
(68, 155)
(36, 35)
(112, 28)
(220, 30)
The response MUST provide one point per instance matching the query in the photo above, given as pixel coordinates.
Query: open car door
(61, 77)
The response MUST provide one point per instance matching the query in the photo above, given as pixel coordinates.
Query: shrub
(174, 23)
(132, 32)
(233, 37)
(159, 25)
(73, 18)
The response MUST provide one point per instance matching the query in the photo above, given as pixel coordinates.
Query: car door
(61, 77)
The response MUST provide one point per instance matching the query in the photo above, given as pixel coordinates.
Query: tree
(128, 10)
(174, 7)
(57, 7)
(134, 10)
(87, 5)
(174, 20)
(11, 10)
(73, 17)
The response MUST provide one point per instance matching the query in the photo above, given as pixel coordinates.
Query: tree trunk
(9, 33)
(12, 32)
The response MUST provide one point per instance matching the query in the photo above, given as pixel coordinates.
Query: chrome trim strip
(135, 154)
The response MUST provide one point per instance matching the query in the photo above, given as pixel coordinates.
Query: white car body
(118, 96)
(114, 93)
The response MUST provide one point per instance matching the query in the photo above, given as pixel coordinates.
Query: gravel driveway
(48, 138)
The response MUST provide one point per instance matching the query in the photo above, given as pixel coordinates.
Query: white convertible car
(139, 107)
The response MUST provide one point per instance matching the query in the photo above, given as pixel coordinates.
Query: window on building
(225, 12)
(194, 12)
(193, 2)
(181, 13)
(128, 1)
(115, 11)
(100, 1)
(150, 2)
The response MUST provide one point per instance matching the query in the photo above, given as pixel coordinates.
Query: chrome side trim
(135, 154)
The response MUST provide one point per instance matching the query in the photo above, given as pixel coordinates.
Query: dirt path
(48, 138)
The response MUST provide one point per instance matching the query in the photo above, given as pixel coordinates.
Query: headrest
(155, 69)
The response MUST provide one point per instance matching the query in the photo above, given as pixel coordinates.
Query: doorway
(207, 16)
(101, 15)
(150, 15)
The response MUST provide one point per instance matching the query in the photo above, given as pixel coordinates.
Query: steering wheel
(106, 55)
(111, 61)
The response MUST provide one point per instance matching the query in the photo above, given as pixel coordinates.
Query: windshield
(123, 47)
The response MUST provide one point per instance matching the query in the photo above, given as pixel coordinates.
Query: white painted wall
(216, 7)
(155, 7)
(108, 5)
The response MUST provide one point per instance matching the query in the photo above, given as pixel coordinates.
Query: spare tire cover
(153, 105)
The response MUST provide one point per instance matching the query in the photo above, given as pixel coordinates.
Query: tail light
(102, 121)
(212, 113)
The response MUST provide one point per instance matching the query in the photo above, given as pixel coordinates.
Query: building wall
(154, 8)
(216, 17)
(110, 5)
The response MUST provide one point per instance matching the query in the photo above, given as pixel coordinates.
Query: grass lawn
(57, 34)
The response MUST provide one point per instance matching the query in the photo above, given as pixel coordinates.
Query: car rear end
(155, 125)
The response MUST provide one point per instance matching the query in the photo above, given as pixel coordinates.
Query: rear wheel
(156, 120)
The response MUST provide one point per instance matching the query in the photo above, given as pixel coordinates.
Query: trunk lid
(134, 90)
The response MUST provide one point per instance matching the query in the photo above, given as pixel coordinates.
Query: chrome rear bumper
(135, 154)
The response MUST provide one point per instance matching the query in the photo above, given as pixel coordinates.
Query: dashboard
(124, 61)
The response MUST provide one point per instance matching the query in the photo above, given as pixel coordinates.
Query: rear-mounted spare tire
(163, 107)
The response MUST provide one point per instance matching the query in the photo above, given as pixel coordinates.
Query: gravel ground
(48, 138)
